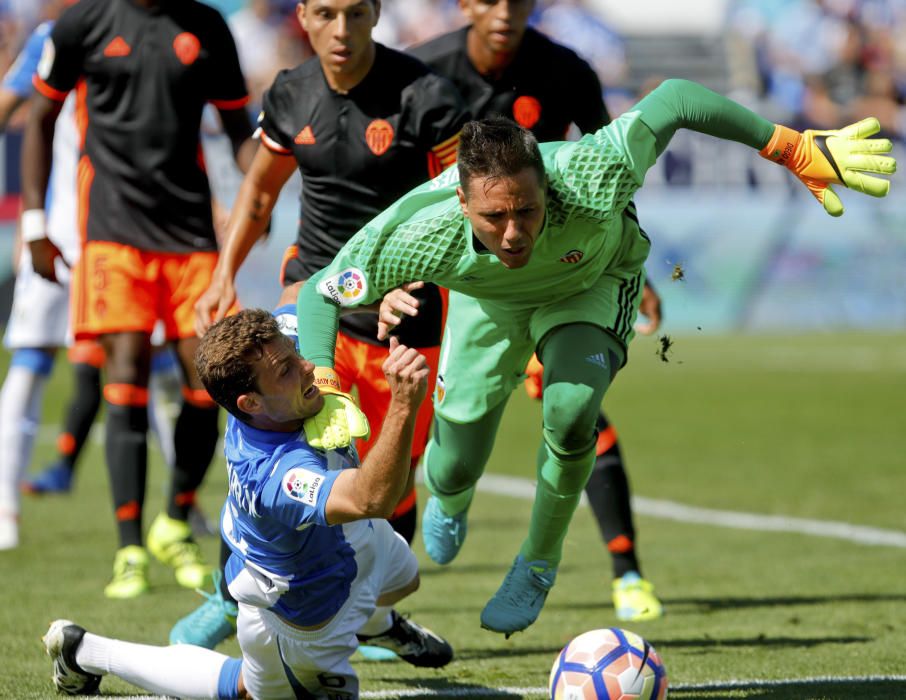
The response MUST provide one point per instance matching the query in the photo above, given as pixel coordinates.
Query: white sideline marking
(671, 510)
(543, 691)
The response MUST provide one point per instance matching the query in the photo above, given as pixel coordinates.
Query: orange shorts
(117, 288)
(358, 364)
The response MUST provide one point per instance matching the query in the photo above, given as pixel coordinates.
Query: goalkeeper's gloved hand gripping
(823, 158)
(340, 421)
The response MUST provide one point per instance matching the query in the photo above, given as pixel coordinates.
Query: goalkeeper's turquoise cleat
(372, 653)
(518, 601)
(634, 599)
(210, 623)
(443, 534)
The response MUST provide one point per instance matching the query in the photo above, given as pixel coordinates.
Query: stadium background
(767, 465)
(757, 253)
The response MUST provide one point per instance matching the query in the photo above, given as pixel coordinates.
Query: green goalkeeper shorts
(486, 347)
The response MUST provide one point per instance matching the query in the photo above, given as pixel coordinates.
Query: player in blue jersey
(314, 564)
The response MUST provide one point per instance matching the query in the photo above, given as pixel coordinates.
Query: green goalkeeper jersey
(425, 236)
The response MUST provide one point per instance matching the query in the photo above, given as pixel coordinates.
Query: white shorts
(40, 314)
(280, 661)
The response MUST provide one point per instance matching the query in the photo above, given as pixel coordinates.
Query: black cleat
(61, 642)
(413, 643)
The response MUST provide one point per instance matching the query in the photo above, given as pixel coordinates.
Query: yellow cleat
(171, 543)
(130, 573)
(634, 599)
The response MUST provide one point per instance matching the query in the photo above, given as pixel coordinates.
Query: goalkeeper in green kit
(541, 251)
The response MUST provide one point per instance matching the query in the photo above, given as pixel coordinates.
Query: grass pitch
(807, 427)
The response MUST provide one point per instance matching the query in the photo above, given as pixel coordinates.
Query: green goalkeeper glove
(340, 420)
(337, 424)
(823, 158)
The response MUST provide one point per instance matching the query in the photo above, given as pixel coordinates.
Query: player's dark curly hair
(226, 355)
(496, 147)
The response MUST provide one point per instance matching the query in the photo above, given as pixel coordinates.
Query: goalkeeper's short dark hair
(227, 353)
(496, 147)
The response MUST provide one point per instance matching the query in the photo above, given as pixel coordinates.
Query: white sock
(180, 670)
(20, 412)
(379, 622)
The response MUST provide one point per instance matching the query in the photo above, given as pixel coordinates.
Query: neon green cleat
(634, 599)
(171, 543)
(130, 573)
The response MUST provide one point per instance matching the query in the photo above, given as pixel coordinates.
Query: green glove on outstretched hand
(844, 156)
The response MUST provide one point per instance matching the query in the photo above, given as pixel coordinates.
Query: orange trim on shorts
(620, 545)
(186, 498)
(288, 254)
(66, 444)
(129, 511)
(607, 438)
(404, 506)
(87, 352)
(126, 395)
(49, 92)
(199, 398)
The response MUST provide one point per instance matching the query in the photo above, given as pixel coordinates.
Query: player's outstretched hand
(213, 305)
(44, 253)
(397, 302)
(650, 308)
(843, 156)
(406, 370)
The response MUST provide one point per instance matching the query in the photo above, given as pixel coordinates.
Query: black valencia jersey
(143, 77)
(545, 89)
(358, 153)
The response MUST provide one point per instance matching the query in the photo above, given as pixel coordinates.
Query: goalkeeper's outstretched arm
(818, 158)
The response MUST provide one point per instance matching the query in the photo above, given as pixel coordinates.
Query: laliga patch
(346, 288)
(303, 486)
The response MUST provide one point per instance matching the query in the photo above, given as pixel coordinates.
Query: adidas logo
(117, 47)
(598, 359)
(306, 137)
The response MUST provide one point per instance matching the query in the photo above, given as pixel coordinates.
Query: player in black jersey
(364, 124)
(143, 71)
(502, 66)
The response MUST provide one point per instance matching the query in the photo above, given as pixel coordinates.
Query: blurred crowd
(823, 63)
(817, 63)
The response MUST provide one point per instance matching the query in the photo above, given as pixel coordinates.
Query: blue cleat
(443, 534)
(518, 601)
(57, 478)
(210, 623)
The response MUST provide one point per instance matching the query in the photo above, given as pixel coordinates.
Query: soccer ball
(608, 664)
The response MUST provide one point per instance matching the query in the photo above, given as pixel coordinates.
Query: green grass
(807, 426)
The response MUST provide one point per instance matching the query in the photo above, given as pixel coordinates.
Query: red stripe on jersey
(231, 104)
(46, 90)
